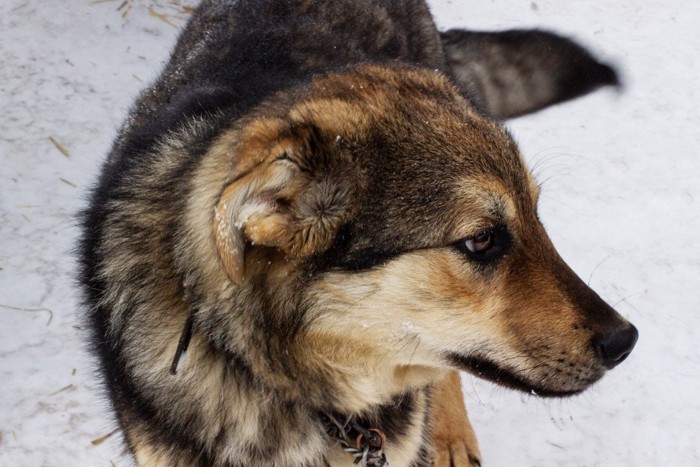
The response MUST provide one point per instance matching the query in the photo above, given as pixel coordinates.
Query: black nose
(614, 347)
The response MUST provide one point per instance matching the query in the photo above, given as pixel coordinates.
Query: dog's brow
(481, 203)
(532, 185)
(534, 189)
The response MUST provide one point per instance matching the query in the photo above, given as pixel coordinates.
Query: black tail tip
(608, 76)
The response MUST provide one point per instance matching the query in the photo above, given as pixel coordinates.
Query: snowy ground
(621, 201)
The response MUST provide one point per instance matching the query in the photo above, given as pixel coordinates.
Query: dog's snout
(615, 346)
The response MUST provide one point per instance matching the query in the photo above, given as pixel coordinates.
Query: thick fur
(512, 73)
(301, 179)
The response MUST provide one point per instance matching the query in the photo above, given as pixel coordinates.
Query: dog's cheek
(459, 307)
(418, 306)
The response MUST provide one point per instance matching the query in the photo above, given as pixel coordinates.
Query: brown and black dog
(313, 219)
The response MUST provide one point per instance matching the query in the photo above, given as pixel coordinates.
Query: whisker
(596, 267)
(624, 299)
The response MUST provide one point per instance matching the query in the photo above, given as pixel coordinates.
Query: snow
(621, 197)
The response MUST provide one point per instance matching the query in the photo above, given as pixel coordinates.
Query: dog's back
(233, 54)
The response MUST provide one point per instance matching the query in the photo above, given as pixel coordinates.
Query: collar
(366, 445)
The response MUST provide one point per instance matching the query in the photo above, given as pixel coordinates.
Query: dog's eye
(485, 246)
(480, 243)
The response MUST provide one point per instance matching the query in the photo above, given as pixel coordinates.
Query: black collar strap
(184, 342)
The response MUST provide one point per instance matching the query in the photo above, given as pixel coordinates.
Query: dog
(313, 219)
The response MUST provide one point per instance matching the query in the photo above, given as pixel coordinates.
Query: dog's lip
(487, 369)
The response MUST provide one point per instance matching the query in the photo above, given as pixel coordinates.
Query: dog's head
(406, 222)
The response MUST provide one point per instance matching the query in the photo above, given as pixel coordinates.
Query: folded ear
(515, 72)
(296, 196)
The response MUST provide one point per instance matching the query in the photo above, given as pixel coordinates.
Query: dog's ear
(515, 72)
(293, 191)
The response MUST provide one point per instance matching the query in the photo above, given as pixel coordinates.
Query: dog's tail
(515, 72)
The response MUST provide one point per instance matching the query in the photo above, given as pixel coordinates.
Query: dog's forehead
(443, 181)
(426, 151)
(458, 154)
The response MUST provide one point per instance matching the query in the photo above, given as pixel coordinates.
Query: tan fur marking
(453, 438)
(149, 455)
(242, 202)
(480, 197)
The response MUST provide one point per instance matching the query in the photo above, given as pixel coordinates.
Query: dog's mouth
(487, 369)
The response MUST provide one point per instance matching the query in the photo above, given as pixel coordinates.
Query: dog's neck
(391, 398)
(362, 376)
